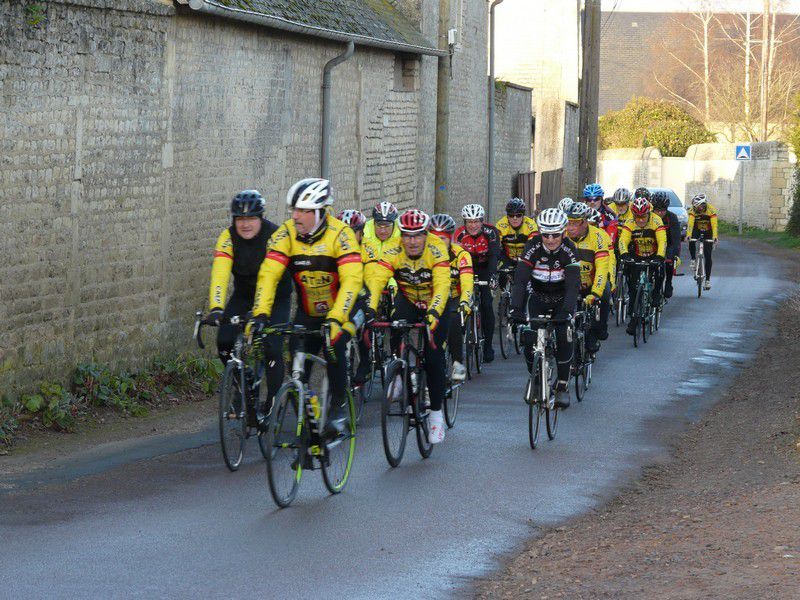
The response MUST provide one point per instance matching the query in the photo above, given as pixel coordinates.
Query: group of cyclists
(437, 272)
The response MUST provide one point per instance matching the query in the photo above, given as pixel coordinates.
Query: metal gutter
(213, 7)
(325, 153)
(490, 182)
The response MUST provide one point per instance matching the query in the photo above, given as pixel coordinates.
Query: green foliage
(34, 15)
(779, 239)
(646, 122)
(53, 405)
(9, 420)
(793, 136)
(793, 226)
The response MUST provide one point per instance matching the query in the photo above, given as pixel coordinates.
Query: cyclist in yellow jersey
(593, 253)
(621, 204)
(643, 237)
(324, 259)
(382, 226)
(515, 230)
(462, 286)
(703, 226)
(594, 219)
(239, 252)
(420, 263)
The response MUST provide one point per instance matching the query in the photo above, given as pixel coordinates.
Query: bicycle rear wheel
(232, 417)
(339, 453)
(503, 327)
(285, 445)
(394, 414)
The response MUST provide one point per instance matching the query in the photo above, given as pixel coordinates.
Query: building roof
(376, 23)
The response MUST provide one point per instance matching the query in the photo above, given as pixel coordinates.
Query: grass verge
(779, 239)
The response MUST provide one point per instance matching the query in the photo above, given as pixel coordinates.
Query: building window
(406, 73)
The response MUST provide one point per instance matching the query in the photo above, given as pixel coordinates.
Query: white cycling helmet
(622, 196)
(699, 200)
(552, 220)
(473, 211)
(565, 204)
(578, 211)
(594, 216)
(310, 194)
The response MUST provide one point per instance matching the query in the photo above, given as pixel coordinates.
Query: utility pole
(490, 191)
(589, 91)
(443, 111)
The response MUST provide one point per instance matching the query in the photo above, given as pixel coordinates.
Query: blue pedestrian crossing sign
(744, 152)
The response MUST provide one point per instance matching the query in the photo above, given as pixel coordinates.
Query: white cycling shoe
(459, 372)
(436, 427)
(707, 285)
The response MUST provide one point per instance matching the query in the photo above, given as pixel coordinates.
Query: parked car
(676, 207)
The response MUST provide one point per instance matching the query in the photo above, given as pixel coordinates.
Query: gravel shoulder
(719, 520)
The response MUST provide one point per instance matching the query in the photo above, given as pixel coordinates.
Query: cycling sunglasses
(552, 235)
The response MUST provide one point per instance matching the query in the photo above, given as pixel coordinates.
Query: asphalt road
(180, 525)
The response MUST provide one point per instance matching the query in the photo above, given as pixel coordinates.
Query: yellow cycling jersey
(513, 240)
(462, 276)
(221, 270)
(369, 232)
(622, 215)
(424, 281)
(326, 269)
(593, 251)
(647, 241)
(612, 258)
(704, 222)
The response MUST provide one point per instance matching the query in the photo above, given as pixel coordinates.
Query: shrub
(793, 226)
(646, 122)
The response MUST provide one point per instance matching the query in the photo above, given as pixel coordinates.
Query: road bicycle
(643, 310)
(506, 329)
(453, 392)
(620, 297)
(540, 390)
(377, 343)
(583, 360)
(243, 402)
(295, 439)
(472, 328)
(405, 405)
(699, 263)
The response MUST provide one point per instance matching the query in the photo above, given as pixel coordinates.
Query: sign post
(744, 154)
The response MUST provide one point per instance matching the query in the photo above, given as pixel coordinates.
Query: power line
(608, 18)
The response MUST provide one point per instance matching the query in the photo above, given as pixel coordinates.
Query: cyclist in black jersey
(547, 281)
(239, 251)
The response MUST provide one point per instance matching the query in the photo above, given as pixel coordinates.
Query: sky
(791, 6)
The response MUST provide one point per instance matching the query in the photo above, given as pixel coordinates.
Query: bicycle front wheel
(551, 414)
(285, 445)
(579, 373)
(503, 326)
(339, 453)
(467, 343)
(232, 417)
(451, 398)
(421, 417)
(533, 397)
(394, 414)
(478, 347)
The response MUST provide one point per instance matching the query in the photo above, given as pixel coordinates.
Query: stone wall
(512, 141)
(127, 125)
(468, 155)
(709, 168)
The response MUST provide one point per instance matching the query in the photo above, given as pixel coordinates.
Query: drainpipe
(325, 158)
(490, 196)
(444, 73)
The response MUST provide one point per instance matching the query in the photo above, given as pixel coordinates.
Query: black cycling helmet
(248, 203)
(660, 200)
(642, 192)
(515, 206)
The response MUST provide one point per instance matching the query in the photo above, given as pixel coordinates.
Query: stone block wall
(512, 141)
(710, 169)
(127, 126)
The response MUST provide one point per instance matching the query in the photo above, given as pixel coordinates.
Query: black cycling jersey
(550, 276)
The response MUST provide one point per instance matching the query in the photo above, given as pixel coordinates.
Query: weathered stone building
(127, 125)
